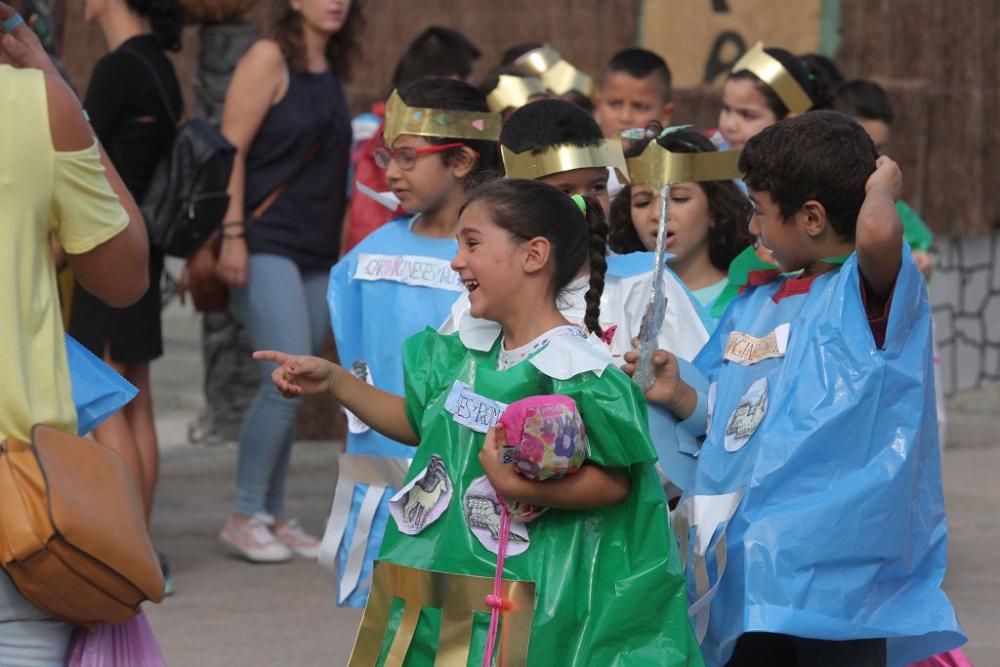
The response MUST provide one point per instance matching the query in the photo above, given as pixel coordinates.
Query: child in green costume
(595, 580)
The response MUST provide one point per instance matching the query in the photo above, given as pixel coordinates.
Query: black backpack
(187, 199)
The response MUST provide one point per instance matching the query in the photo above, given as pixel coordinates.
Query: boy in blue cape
(813, 531)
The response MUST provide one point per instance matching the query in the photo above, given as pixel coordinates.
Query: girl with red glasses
(440, 138)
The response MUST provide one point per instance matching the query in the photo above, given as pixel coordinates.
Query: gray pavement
(229, 613)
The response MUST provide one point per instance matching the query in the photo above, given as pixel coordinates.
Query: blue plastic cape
(98, 391)
(392, 285)
(816, 507)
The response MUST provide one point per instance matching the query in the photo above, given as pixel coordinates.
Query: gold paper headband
(769, 70)
(424, 122)
(656, 166)
(514, 91)
(565, 157)
(558, 75)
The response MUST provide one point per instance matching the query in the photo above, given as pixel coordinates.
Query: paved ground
(227, 613)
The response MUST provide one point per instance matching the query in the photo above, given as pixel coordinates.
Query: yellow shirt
(41, 191)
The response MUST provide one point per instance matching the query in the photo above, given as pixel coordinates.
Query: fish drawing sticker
(747, 416)
(482, 514)
(422, 502)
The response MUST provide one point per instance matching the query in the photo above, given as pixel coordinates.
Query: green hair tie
(580, 203)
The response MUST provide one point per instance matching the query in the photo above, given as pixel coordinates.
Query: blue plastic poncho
(392, 285)
(816, 508)
(98, 391)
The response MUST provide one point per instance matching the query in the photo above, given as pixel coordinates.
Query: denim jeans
(283, 310)
(28, 638)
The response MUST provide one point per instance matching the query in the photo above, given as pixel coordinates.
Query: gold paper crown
(565, 157)
(656, 166)
(426, 122)
(768, 69)
(558, 75)
(514, 91)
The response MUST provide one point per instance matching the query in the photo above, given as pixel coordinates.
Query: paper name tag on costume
(472, 410)
(747, 416)
(482, 514)
(360, 370)
(409, 270)
(422, 502)
(747, 350)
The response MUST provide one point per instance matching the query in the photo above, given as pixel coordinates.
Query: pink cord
(495, 601)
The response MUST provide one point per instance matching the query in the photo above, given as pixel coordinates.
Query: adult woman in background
(52, 182)
(133, 100)
(287, 116)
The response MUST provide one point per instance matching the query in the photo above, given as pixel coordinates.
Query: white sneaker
(253, 541)
(291, 534)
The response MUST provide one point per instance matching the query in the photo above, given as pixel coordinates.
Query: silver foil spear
(656, 308)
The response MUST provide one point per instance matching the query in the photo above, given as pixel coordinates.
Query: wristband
(238, 235)
(233, 223)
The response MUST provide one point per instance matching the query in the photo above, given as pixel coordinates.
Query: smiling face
(689, 219)
(744, 112)
(591, 182)
(428, 184)
(625, 102)
(323, 16)
(489, 261)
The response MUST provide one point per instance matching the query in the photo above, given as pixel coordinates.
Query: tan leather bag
(73, 537)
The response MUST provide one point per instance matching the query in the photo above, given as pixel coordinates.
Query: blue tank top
(304, 223)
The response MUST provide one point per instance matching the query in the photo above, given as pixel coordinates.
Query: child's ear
(813, 216)
(462, 161)
(537, 252)
(668, 114)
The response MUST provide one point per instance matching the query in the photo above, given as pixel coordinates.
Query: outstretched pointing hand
(298, 375)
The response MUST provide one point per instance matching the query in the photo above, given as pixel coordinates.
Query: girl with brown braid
(521, 243)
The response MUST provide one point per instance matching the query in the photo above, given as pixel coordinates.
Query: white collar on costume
(562, 358)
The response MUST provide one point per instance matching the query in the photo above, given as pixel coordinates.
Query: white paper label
(360, 370)
(747, 350)
(482, 514)
(432, 272)
(422, 502)
(472, 410)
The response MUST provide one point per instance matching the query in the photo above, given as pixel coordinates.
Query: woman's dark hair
(437, 51)
(285, 27)
(166, 19)
(528, 209)
(729, 208)
(454, 95)
(815, 84)
(544, 123)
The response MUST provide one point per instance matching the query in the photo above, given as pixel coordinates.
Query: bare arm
(258, 82)
(116, 270)
(879, 240)
(591, 487)
(381, 410)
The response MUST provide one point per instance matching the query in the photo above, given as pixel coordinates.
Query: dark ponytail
(597, 233)
(529, 209)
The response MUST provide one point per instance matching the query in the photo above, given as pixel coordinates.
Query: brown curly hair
(284, 25)
(728, 206)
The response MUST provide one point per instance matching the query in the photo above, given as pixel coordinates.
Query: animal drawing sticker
(747, 416)
(422, 502)
(482, 514)
(360, 370)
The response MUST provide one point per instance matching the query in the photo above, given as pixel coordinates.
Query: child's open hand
(298, 375)
(501, 475)
(886, 177)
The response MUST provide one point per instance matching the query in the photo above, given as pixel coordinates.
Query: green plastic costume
(915, 230)
(608, 588)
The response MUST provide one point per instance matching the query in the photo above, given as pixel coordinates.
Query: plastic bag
(954, 658)
(98, 391)
(128, 644)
